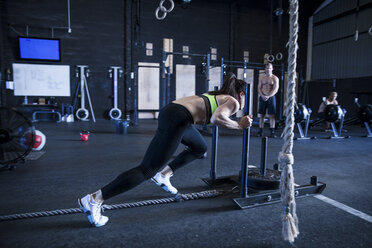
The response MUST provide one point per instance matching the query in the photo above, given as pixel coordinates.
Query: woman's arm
(221, 116)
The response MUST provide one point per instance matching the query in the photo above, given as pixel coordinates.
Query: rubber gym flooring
(70, 168)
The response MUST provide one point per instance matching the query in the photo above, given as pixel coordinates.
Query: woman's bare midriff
(196, 106)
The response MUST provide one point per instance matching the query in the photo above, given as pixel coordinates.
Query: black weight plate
(269, 182)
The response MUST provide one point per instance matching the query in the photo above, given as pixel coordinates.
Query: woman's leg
(173, 120)
(196, 147)
(158, 153)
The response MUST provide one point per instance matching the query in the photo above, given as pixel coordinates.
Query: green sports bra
(210, 105)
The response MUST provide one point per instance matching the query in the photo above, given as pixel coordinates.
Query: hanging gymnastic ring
(370, 31)
(166, 10)
(270, 58)
(279, 56)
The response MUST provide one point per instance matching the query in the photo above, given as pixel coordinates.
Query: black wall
(338, 58)
(114, 32)
(336, 53)
(96, 40)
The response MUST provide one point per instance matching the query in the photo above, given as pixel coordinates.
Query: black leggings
(174, 127)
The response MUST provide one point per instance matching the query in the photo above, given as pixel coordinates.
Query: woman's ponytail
(231, 86)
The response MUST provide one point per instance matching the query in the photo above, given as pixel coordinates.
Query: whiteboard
(214, 78)
(41, 80)
(185, 81)
(148, 86)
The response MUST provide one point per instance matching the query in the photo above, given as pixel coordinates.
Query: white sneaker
(163, 181)
(93, 210)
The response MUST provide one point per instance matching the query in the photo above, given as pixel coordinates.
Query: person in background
(267, 88)
(332, 99)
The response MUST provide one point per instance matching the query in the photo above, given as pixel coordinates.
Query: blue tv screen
(39, 49)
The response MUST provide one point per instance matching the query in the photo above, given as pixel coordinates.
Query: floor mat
(34, 155)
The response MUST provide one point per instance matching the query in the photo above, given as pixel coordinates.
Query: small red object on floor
(84, 135)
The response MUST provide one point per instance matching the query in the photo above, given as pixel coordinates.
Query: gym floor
(70, 168)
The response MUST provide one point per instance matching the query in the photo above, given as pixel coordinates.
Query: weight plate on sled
(268, 182)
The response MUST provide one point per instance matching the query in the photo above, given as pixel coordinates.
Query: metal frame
(259, 66)
(165, 74)
(52, 112)
(337, 134)
(273, 196)
(214, 150)
(164, 82)
(249, 197)
(245, 151)
(369, 133)
(303, 134)
(115, 73)
(213, 180)
(133, 78)
(83, 86)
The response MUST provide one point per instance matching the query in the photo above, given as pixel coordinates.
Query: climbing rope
(177, 198)
(290, 222)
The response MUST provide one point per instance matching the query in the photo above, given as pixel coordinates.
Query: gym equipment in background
(36, 140)
(67, 111)
(333, 113)
(165, 73)
(163, 9)
(258, 186)
(82, 113)
(16, 137)
(115, 73)
(122, 126)
(228, 65)
(365, 115)
(302, 113)
(84, 135)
